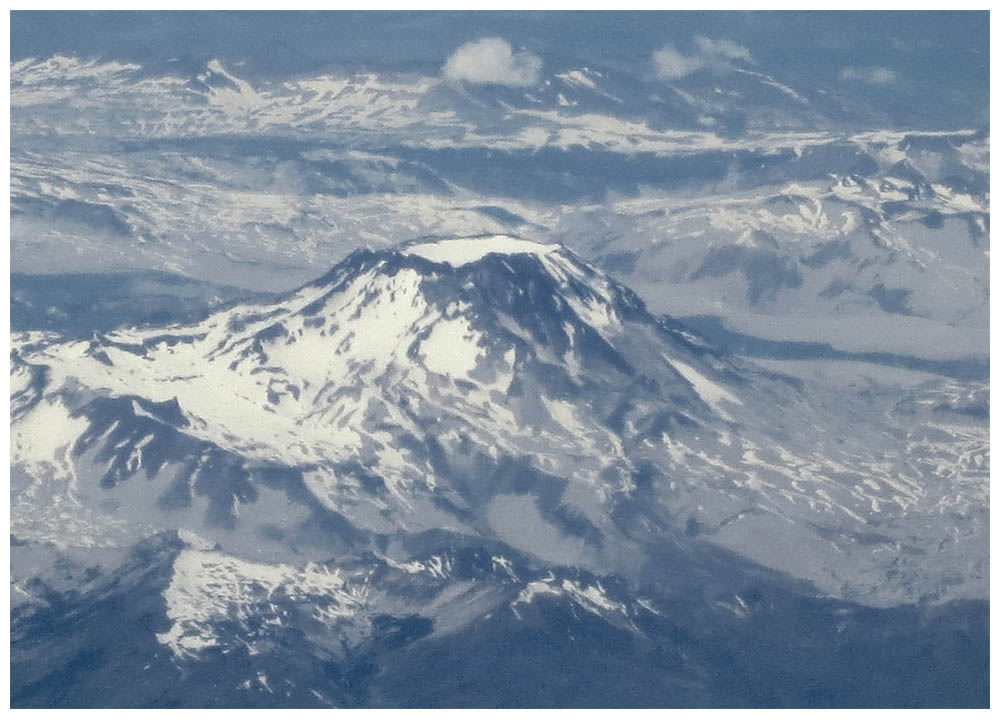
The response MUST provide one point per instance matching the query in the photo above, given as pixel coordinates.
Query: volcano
(474, 452)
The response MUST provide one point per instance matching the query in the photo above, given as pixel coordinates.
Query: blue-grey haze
(505, 359)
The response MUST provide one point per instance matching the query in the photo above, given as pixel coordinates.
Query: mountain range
(499, 359)
(814, 229)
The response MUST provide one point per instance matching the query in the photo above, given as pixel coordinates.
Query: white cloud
(492, 61)
(671, 65)
(719, 56)
(871, 75)
(726, 49)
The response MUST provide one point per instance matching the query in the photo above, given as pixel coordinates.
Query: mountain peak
(460, 251)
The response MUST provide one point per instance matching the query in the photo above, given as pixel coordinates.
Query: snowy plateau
(367, 389)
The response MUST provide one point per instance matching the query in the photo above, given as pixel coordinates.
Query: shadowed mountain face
(480, 451)
(564, 639)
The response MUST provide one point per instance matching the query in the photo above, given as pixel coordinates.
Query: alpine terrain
(508, 359)
(478, 452)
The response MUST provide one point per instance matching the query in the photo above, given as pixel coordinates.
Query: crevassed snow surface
(462, 251)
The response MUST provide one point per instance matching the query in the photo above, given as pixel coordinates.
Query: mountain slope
(458, 429)
(388, 391)
(481, 631)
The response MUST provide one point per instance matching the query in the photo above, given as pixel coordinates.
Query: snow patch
(462, 251)
(710, 392)
(452, 348)
(592, 598)
(578, 77)
(40, 434)
(528, 594)
(565, 414)
(208, 587)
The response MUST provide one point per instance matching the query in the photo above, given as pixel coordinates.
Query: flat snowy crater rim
(463, 250)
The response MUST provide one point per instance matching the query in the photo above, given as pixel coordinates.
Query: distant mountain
(481, 442)
(728, 195)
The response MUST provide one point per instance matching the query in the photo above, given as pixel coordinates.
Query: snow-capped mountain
(385, 391)
(856, 236)
(865, 258)
(488, 385)
(489, 393)
(499, 359)
(210, 96)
